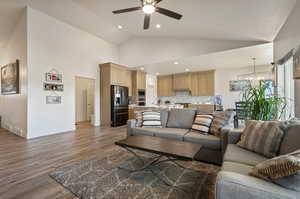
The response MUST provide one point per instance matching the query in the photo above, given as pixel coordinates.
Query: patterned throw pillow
(220, 120)
(262, 137)
(151, 119)
(282, 170)
(139, 118)
(202, 123)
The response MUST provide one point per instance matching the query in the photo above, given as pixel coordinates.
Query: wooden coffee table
(166, 151)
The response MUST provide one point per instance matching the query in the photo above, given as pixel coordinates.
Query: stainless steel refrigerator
(119, 105)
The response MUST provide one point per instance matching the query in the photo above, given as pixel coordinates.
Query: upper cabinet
(165, 86)
(199, 83)
(139, 80)
(182, 81)
(203, 83)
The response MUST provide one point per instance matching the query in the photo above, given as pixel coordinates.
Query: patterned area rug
(101, 179)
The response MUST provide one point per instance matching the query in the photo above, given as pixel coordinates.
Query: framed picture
(53, 77)
(239, 85)
(53, 87)
(297, 64)
(53, 99)
(10, 79)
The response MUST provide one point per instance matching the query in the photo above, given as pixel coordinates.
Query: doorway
(84, 100)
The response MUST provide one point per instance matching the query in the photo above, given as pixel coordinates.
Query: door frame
(75, 93)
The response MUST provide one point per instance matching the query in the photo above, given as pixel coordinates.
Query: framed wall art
(297, 64)
(239, 85)
(53, 99)
(53, 87)
(53, 77)
(10, 79)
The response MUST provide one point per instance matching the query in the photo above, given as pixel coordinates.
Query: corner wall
(53, 44)
(13, 108)
(287, 39)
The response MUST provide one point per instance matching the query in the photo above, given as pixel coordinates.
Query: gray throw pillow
(164, 114)
(181, 118)
(291, 139)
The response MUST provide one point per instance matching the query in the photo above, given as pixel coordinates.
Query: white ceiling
(254, 20)
(236, 58)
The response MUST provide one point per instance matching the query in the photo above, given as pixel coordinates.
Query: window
(286, 86)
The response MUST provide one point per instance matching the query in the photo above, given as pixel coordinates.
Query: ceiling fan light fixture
(148, 9)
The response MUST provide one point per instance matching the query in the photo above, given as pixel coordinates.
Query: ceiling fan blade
(168, 13)
(157, 1)
(147, 22)
(127, 10)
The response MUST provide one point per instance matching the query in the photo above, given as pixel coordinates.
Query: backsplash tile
(188, 99)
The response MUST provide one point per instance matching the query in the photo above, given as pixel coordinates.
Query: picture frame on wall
(53, 99)
(53, 77)
(296, 60)
(239, 85)
(10, 79)
(53, 87)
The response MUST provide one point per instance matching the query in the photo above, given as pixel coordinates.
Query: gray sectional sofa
(233, 181)
(178, 127)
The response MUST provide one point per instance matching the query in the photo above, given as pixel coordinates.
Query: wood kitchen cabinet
(121, 76)
(182, 81)
(165, 86)
(203, 83)
(138, 83)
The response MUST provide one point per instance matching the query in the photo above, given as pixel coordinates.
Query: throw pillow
(220, 120)
(262, 137)
(202, 123)
(291, 139)
(283, 170)
(151, 119)
(139, 118)
(181, 118)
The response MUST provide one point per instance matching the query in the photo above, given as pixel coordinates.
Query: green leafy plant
(260, 103)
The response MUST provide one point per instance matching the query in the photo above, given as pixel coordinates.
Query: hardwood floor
(25, 164)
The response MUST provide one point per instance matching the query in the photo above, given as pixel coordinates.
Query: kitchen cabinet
(121, 76)
(165, 86)
(182, 81)
(203, 83)
(138, 83)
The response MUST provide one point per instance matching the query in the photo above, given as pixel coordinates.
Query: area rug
(100, 178)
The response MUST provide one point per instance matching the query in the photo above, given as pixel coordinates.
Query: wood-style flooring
(25, 164)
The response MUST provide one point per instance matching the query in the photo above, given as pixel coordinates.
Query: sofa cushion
(236, 167)
(207, 141)
(220, 120)
(171, 133)
(291, 139)
(143, 131)
(262, 137)
(237, 154)
(181, 118)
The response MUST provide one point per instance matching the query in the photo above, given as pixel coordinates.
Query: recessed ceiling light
(142, 68)
(158, 26)
(176, 63)
(187, 70)
(120, 27)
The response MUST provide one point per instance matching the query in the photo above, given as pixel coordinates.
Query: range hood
(182, 93)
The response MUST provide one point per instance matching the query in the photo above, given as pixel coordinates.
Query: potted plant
(260, 103)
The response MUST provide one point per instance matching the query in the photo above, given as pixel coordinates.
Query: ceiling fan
(149, 7)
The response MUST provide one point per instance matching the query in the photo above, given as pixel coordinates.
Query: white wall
(13, 108)
(287, 39)
(140, 51)
(73, 52)
(222, 78)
